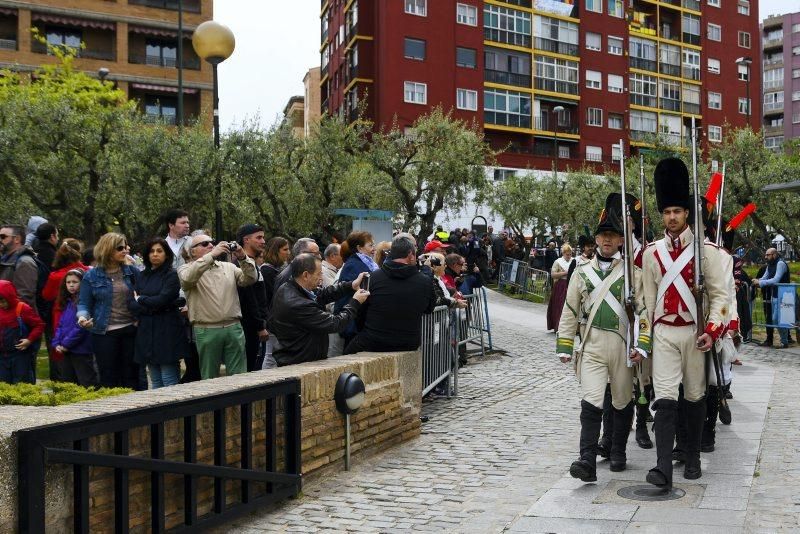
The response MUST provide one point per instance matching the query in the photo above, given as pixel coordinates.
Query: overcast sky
(277, 42)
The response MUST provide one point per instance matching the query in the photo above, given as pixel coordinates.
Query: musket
(639, 393)
(719, 209)
(699, 276)
(628, 285)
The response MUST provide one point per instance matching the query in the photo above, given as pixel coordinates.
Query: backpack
(42, 273)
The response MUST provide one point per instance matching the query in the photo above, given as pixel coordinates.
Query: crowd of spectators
(179, 307)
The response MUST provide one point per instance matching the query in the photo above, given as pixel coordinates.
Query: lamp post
(180, 64)
(746, 61)
(214, 42)
(556, 111)
(349, 396)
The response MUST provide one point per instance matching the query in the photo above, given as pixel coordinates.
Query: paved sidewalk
(496, 458)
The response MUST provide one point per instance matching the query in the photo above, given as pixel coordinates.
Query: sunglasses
(120, 248)
(203, 244)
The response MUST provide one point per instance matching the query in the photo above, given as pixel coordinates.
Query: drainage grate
(650, 493)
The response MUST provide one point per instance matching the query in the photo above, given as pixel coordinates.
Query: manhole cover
(650, 493)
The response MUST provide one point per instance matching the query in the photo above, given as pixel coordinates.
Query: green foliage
(52, 393)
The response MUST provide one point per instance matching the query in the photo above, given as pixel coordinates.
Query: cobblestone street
(496, 457)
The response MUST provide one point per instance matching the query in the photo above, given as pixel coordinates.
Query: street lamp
(214, 42)
(102, 73)
(556, 110)
(746, 61)
(349, 396)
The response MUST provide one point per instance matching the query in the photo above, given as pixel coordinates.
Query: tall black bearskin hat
(672, 184)
(611, 216)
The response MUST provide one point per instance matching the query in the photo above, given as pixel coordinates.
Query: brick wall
(390, 415)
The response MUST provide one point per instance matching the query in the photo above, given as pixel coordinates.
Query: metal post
(218, 199)
(747, 85)
(347, 442)
(180, 64)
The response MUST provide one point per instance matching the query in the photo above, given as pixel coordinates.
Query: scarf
(369, 262)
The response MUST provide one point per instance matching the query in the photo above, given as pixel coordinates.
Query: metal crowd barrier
(446, 331)
(786, 299)
(438, 358)
(524, 278)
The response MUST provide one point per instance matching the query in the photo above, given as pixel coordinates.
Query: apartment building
(550, 81)
(780, 56)
(135, 40)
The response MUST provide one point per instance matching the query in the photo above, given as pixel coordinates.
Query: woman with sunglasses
(103, 310)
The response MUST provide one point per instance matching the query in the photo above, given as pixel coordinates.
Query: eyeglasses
(203, 244)
(120, 248)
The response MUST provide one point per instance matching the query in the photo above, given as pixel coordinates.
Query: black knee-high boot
(695, 418)
(642, 435)
(664, 430)
(585, 467)
(604, 447)
(679, 452)
(622, 429)
(709, 427)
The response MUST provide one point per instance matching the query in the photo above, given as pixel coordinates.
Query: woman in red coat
(68, 257)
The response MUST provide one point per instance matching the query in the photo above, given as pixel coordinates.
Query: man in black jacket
(399, 296)
(253, 299)
(300, 322)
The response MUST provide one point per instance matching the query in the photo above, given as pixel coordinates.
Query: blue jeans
(165, 374)
(16, 367)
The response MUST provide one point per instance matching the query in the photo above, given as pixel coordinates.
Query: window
(773, 79)
(795, 96)
(643, 90)
(417, 7)
(795, 28)
(594, 79)
(773, 101)
(503, 174)
(594, 117)
(556, 35)
(594, 41)
(64, 37)
(507, 25)
(744, 7)
(594, 5)
(615, 45)
(555, 74)
(714, 3)
(643, 121)
(616, 153)
(507, 66)
(670, 92)
(161, 53)
(713, 65)
(466, 99)
(616, 121)
(715, 134)
(466, 57)
(743, 105)
(744, 39)
(691, 64)
(594, 153)
(415, 93)
(507, 108)
(615, 8)
(162, 108)
(691, 98)
(414, 48)
(669, 57)
(615, 83)
(642, 53)
(714, 100)
(796, 51)
(744, 72)
(467, 14)
(796, 118)
(714, 32)
(691, 28)
(795, 73)
(773, 143)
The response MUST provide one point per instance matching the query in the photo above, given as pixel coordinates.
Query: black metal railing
(669, 69)
(8, 43)
(551, 45)
(191, 6)
(556, 86)
(68, 444)
(669, 104)
(162, 61)
(85, 53)
(643, 100)
(507, 78)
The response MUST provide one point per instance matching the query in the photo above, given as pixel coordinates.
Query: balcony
(104, 55)
(773, 107)
(773, 62)
(8, 43)
(691, 72)
(504, 36)
(773, 84)
(694, 109)
(641, 135)
(669, 69)
(513, 120)
(160, 61)
(643, 100)
(545, 122)
(551, 45)
(669, 104)
(691, 38)
(668, 32)
(691, 4)
(772, 43)
(153, 118)
(190, 6)
(507, 78)
(556, 86)
(773, 130)
(643, 64)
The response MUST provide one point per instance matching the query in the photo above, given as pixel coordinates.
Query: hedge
(52, 393)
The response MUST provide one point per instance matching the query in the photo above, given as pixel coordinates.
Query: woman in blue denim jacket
(103, 310)
(358, 252)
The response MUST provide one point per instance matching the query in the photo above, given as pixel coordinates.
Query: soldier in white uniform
(595, 300)
(678, 351)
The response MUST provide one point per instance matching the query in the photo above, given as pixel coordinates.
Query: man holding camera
(210, 285)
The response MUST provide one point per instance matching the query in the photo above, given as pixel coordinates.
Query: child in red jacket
(20, 327)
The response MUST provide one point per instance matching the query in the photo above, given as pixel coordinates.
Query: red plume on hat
(714, 187)
(740, 217)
